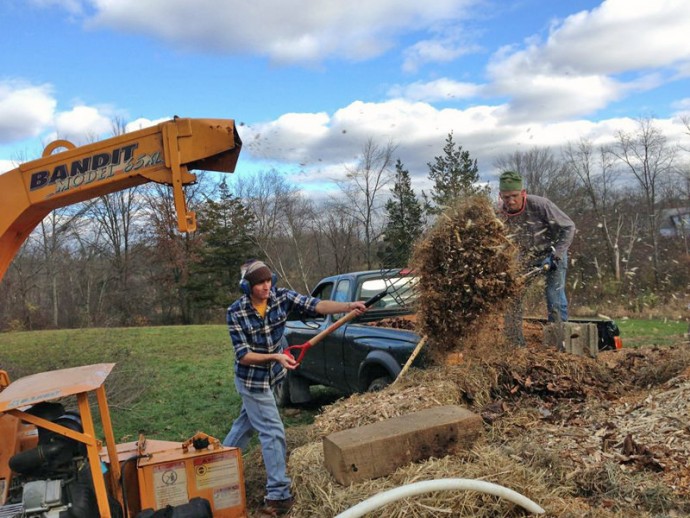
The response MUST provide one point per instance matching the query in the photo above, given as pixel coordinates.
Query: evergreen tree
(454, 174)
(405, 221)
(226, 227)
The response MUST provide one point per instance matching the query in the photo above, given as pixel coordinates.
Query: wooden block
(378, 449)
(581, 339)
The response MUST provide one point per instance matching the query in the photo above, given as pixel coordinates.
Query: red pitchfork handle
(303, 348)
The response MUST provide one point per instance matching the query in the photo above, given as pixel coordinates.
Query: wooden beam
(378, 449)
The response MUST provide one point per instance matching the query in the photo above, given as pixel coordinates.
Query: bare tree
(92, 283)
(649, 158)
(362, 188)
(23, 288)
(172, 254)
(54, 231)
(117, 214)
(596, 173)
(339, 231)
(543, 172)
(282, 214)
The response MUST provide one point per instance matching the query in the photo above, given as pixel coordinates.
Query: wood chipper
(52, 464)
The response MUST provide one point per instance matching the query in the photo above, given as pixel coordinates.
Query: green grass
(168, 382)
(637, 333)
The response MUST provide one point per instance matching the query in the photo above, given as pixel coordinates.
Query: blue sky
(311, 80)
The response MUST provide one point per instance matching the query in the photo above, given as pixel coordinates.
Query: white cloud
(143, 122)
(84, 123)
(25, 110)
(595, 57)
(682, 107)
(434, 51)
(554, 97)
(303, 132)
(443, 89)
(353, 30)
(29, 111)
(324, 144)
(6, 165)
(621, 35)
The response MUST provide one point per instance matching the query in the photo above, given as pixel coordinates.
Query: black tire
(281, 392)
(378, 384)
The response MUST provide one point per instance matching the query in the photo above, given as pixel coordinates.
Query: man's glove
(550, 262)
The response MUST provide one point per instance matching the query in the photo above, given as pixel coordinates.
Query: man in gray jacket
(543, 233)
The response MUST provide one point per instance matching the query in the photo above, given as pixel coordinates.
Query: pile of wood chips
(467, 269)
(579, 436)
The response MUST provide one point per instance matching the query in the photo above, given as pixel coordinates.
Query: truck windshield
(401, 292)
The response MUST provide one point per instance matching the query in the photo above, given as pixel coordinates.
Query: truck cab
(358, 356)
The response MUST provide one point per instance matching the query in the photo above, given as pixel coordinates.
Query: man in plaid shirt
(256, 322)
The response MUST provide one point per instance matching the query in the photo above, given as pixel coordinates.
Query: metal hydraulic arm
(164, 153)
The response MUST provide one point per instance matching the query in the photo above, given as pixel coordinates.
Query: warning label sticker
(225, 497)
(170, 484)
(214, 471)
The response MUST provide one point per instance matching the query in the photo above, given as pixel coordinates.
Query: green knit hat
(510, 181)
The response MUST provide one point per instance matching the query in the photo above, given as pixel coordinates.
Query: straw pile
(317, 496)
(580, 437)
(467, 270)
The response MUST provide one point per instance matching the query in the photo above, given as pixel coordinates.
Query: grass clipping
(467, 271)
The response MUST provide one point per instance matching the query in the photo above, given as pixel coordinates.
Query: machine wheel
(379, 384)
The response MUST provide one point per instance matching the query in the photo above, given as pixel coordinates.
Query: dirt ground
(608, 436)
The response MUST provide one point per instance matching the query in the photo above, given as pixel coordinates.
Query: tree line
(118, 260)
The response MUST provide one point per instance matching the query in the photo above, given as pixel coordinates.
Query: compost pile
(467, 270)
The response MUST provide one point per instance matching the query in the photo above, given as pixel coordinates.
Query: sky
(308, 82)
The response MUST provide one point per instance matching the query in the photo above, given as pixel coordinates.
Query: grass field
(170, 382)
(636, 333)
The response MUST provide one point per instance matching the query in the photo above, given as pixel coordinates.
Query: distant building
(675, 222)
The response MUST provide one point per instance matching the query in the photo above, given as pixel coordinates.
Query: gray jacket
(540, 226)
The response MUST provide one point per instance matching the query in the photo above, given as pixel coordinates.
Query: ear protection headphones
(245, 286)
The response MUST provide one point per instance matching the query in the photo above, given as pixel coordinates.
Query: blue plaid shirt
(250, 332)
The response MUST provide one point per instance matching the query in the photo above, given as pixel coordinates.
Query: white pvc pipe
(443, 484)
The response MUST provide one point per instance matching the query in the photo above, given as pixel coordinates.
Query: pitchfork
(303, 348)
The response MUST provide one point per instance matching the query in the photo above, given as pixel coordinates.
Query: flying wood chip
(467, 270)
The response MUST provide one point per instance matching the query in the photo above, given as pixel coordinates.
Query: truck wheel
(281, 392)
(379, 384)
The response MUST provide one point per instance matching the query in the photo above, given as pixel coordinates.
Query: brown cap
(257, 272)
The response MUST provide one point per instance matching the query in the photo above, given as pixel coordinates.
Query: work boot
(277, 507)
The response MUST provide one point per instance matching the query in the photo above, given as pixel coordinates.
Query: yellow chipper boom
(164, 154)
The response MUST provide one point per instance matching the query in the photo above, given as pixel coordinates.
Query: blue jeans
(556, 301)
(556, 304)
(260, 413)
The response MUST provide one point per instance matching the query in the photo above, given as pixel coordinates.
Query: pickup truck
(358, 356)
(365, 354)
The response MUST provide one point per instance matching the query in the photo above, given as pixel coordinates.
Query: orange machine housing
(175, 476)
